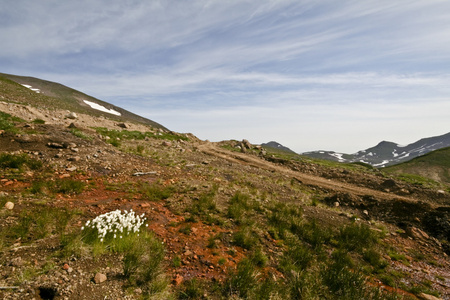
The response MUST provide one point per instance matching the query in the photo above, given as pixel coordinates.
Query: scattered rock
(167, 144)
(246, 144)
(178, 279)
(16, 262)
(123, 125)
(145, 173)
(72, 125)
(72, 116)
(9, 205)
(55, 145)
(428, 297)
(99, 278)
(416, 233)
(74, 158)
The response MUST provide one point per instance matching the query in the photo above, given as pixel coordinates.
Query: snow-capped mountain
(387, 153)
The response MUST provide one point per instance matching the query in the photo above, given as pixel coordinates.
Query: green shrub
(68, 186)
(238, 207)
(356, 237)
(243, 281)
(245, 238)
(40, 222)
(7, 122)
(82, 135)
(191, 289)
(284, 217)
(204, 204)
(156, 192)
(258, 257)
(297, 257)
(18, 161)
(342, 281)
(38, 121)
(143, 258)
(374, 258)
(313, 233)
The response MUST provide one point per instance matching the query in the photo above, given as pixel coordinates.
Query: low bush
(242, 281)
(356, 237)
(18, 161)
(156, 192)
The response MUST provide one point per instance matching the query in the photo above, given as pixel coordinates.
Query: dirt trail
(241, 158)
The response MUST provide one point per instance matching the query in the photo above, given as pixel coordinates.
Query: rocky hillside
(93, 207)
(52, 95)
(387, 153)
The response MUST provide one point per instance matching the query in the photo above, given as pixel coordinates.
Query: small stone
(336, 204)
(428, 297)
(167, 144)
(55, 145)
(72, 115)
(138, 291)
(365, 212)
(178, 279)
(99, 278)
(66, 266)
(71, 169)
(9, 205)
(16, 262)
(74, 158)
(69, 270)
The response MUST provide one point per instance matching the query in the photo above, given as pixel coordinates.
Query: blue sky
(311, 75)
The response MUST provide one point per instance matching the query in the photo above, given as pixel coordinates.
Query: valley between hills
(227, 220)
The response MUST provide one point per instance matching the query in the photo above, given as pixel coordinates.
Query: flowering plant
(115, 224)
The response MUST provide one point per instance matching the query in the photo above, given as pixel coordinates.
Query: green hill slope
(53, 95)
(434, 165)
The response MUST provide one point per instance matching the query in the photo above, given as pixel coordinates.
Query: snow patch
(338, 156)
(31, 88)
(381, 164)
(102, 108)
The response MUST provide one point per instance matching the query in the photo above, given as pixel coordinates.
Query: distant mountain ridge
(387, 153)
(275, 145)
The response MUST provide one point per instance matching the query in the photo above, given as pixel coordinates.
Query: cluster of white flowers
(116, 223)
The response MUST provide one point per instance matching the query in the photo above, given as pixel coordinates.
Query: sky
(310, 74)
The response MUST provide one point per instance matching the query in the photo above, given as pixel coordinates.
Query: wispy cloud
(283, 63)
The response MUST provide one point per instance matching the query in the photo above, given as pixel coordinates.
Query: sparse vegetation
(235, 225)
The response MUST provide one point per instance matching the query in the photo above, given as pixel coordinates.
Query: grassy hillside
(434, 165)
(57, 96)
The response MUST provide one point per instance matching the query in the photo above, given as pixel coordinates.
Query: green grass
(155, 191)
(39, 222)
(19, 161)
(7, 122)
(138, 135)
(81, 134)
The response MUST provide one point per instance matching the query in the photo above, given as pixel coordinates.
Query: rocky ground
(415, 219)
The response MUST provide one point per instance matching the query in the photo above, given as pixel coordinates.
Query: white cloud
(273, 63)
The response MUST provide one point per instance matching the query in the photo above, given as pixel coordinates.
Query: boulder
(72, 116)
(9, 205)
(99, 278)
